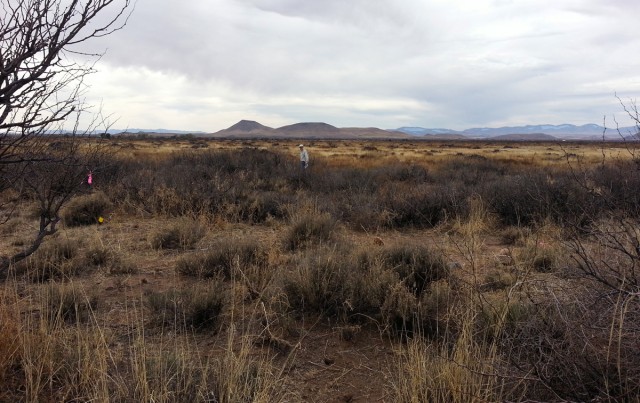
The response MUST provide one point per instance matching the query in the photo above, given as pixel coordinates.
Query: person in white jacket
(304, 157)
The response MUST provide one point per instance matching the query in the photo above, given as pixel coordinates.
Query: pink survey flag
(90, 178)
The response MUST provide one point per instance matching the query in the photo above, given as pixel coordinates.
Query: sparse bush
(538, 195)
(498, 280)
(400, 310)
(417, 266)
(107, 260)
(320, 283)
(422, 206)
(223, 258)
(541, 256)
(336, 283)
(406, 315)
(310, 228)
(99, 256)
(58, 258)
(86, 209)
(500, 316)
(198, 308)
(471, 170)
(513, 235)
(9, 338)
(183, 234)
(260, 207)
(361, 211)
(67, 303)
(615, 186)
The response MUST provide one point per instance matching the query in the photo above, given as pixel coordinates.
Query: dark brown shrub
(66, 303)
(86, 209)
(198, 308)
(183, 234)
(336, 283)
(223, 258)
(309, 228)
(57, 258)
(422, 206)
(416, 265)
(498, 280)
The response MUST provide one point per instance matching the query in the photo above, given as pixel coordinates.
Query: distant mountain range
(311, 130)
(529, 132)
(318, 130)
(152, 131)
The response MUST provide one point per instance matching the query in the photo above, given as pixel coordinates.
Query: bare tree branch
(41, 90)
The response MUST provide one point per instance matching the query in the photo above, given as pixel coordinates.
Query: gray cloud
(202, 65)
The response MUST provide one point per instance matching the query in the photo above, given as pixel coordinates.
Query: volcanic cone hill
(306, 130)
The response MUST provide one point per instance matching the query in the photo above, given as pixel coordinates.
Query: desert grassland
(388, 271)
(422, 152)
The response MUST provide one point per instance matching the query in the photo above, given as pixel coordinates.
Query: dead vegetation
(442, 271)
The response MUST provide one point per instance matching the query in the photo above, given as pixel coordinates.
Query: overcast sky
(203, 65)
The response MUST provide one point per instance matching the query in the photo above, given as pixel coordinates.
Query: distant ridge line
(251, 129)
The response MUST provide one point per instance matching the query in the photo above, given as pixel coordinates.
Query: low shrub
(498, 280)
(361, 211)
(566, 348)
(400, 311)
(310, 228)
(223, 258)
(57, 258)
(514, 235)
(9, 338)
(500, 316)
(339, 284)
(416, 265)
(422, 206)
(86, 209)
(531, 198)
(406, 315)
(198, 308)
(182, 234)
(99, 256)
(67, 303)
(107, 260)
(541, 256)
(263, 206)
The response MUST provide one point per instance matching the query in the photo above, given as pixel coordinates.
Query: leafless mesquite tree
(604, 325)
(41, 90)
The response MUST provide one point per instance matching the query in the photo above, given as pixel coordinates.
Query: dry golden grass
(311, 307)
(376, 153)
